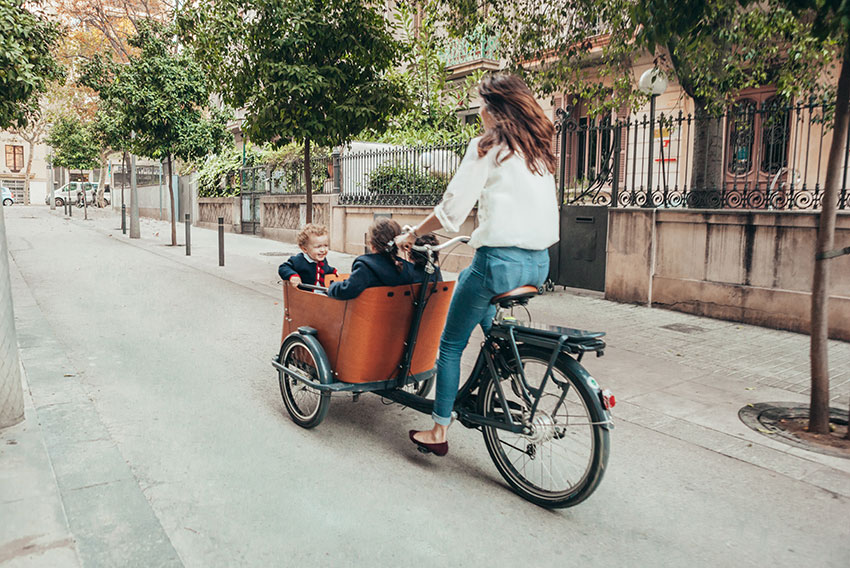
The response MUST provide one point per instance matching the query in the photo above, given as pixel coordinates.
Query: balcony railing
(466, 50)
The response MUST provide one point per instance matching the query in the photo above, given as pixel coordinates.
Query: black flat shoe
(436, 449)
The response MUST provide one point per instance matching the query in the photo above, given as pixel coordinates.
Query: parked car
(72, 193)
(6, 196)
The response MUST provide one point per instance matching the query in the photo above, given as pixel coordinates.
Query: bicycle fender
(580, 373)
(318, 352)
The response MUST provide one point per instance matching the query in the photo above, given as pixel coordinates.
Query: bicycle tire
(581, 423)
(306, 406)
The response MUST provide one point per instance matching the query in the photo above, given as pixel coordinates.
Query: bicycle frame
(499, 354)
(505, 337)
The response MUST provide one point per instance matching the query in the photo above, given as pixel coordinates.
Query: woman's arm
(460, 197)
(428, 225)
(465, 188)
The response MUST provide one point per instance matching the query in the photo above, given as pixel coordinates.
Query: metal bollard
(123, 219)
(70, 209)
(221, 241)
(188, 237)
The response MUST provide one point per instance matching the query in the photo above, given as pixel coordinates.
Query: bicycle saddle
(516, 296)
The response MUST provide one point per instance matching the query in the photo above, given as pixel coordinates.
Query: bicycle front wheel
(560, 462)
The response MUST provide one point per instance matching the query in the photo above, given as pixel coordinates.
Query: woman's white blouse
(516, 208)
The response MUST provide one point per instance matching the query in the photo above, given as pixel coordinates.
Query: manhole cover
(275, 254)
(683, 328)
(765, 418)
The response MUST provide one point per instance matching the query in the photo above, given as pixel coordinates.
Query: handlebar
(448, 243)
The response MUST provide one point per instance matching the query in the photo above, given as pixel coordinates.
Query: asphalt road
(176, 363)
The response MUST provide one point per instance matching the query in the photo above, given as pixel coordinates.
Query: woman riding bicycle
(508, 171)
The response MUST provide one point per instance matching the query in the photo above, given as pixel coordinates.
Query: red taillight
(608, 400)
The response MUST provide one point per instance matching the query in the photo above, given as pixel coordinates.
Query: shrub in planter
(405, 180)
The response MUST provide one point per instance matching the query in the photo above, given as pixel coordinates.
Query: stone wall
(282, 216)
(211, 208)
(349, 225)
(753, 267)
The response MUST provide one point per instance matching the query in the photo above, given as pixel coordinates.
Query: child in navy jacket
(309, 266)
(381, 268)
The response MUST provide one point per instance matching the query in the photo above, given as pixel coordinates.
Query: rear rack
(573, 341)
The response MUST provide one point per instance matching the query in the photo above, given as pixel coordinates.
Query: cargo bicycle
(545, 420)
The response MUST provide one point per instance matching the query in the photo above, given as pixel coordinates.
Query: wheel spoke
(551, 463)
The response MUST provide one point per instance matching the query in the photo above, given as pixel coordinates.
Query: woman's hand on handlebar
(406, 240)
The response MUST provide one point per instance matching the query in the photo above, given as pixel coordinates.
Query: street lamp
(653, 82)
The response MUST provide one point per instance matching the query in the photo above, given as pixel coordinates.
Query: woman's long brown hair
(519, 123)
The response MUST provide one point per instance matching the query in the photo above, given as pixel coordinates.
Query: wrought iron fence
(286, 178)
(399, 175)
(755, 156)
(145, 175)
(758, 155)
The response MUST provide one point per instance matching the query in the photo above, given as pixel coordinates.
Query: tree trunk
(173, 207)
(102, 185)
(707, 164)
(819, 404)
(27, 173)
(308, 181)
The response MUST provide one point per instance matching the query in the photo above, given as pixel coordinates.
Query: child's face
(317, 247)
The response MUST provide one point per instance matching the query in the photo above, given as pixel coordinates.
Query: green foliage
(712, 47)
(431, 117)
(109, 127)
(717, 49)
(290, 154)
(406, 180)
(74, 144)
(26, 63)
(163, 97)
(218, 174)
(304, 70)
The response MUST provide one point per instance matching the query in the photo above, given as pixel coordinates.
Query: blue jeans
(493, 271)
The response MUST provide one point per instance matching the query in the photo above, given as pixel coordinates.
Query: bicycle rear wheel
(562, 460)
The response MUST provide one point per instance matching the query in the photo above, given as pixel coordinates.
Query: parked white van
(73, 192)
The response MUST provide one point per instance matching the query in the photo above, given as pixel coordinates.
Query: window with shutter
(14, 157)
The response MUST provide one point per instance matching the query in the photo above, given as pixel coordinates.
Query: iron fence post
(563, 115)
(337, 170)
(648, 202)
(615, 182)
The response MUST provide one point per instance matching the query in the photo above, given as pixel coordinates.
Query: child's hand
(295, 280)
